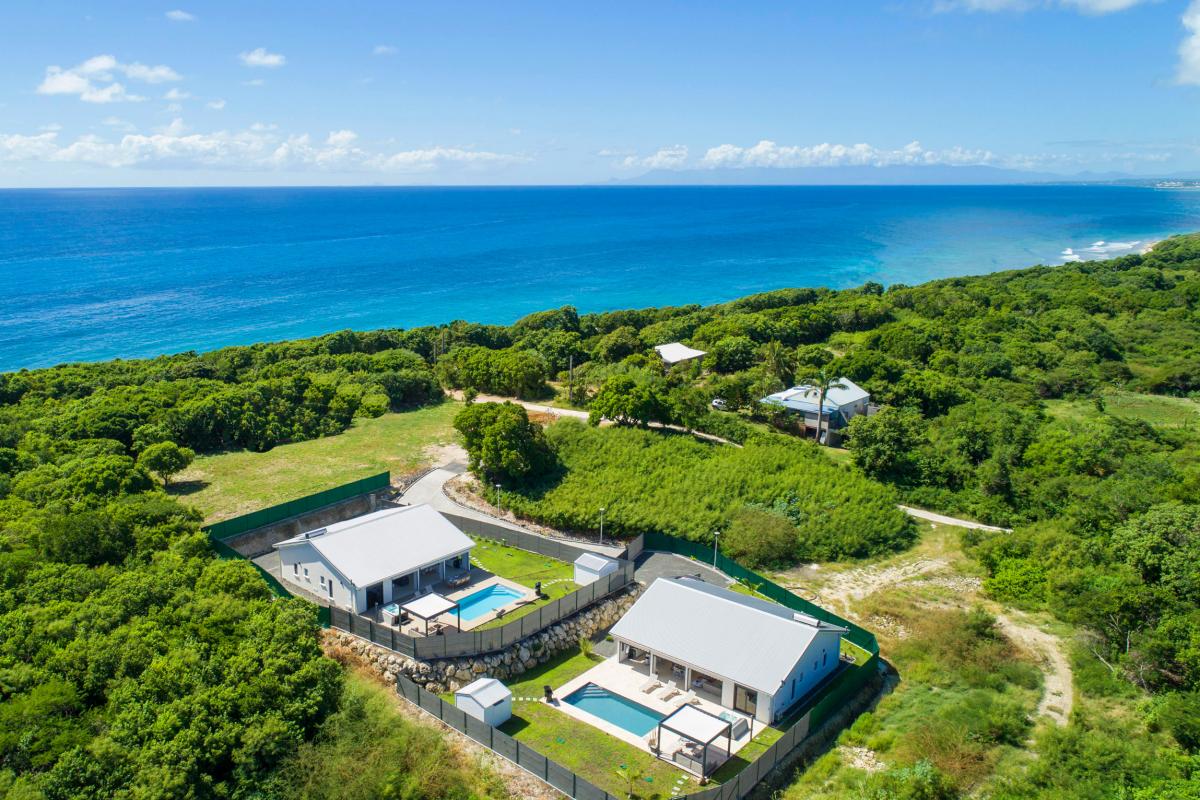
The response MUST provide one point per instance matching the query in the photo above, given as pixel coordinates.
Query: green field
(229, 484)
(525, 568)
(1160, 410)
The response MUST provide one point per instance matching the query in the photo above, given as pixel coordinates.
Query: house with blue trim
(841, 405)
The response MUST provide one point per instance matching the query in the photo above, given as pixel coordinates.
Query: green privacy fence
(226, 529)
(704, 553)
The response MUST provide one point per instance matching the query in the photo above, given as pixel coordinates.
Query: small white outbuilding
(486, 699)
(591, 567)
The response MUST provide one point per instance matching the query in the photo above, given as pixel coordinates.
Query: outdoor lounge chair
(650, 685)
(670, 691)
(689, 698)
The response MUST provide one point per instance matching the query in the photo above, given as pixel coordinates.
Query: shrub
(759, 538)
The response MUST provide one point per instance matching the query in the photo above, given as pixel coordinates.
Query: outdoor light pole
(601, 524)
(499, 504)
(716, 536)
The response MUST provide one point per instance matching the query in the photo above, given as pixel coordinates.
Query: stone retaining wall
(447, 675)
(260, 541)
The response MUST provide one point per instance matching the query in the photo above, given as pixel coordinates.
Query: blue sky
(262, 93)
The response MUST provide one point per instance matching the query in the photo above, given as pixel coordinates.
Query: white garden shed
(485, 699)
(591, 567)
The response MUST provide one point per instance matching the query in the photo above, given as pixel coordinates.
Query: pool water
(488, 599)
(615, 709)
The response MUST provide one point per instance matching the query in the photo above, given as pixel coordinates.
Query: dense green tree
(166, 459)
(502, 442)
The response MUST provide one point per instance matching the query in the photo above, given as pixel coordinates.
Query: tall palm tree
(823, 380)
(778, 361)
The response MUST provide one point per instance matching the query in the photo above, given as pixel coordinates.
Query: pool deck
(480, 579)
(621, 679)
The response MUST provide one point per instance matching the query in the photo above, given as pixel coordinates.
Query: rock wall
(447, 675)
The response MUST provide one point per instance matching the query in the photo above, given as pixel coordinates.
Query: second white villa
(736, 651)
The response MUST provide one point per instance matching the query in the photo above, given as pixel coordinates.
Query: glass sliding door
(745, 700)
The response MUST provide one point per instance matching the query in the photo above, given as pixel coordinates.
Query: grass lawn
(1169, 412)
(587, 751)
(525, 568)
(228, 484)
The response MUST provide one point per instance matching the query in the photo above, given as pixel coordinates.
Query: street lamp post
(601, 524)
(499, 503)
(716, 537)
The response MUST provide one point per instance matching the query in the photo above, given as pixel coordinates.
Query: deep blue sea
(97, 274)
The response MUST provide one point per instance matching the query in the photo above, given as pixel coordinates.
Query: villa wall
(447, 675)
(301, 556)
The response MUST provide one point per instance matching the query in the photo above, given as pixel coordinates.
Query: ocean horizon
(94, 274)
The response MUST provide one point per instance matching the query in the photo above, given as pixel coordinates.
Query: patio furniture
(670, 691)
(459, 580)
(689, 698)
(650, 685)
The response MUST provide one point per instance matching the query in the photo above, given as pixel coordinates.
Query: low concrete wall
(260, 540)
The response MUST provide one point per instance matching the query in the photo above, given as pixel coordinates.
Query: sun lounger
(650, 685)
(670, 691)
(689, 698)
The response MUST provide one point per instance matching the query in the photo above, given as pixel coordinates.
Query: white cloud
(1189, 49)
(259, 57)
(94, 80)
(118, 123)
(15, 147)
(180, 16)
(259, 148)
(255, 82)
(176, 94)
(769, 154)
(174, 108)
(384, 50)
(215, 105)
(1083, 6)
(51, 126)
(673, 157)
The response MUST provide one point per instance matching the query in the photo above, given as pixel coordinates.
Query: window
(306, 573)
(793, 687)
(824, 657)
(331, 588)
(322, 581)
(296, 568)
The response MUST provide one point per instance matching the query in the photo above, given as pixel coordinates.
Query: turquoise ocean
(98, 274)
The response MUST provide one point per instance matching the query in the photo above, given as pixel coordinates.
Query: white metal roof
(594, 562)
(697, 725)
(675, 352)
(733, 636)
(428, 606)
(804, 397)
(387, 543)
(485, 691)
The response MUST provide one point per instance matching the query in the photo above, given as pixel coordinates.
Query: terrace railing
(455, 644)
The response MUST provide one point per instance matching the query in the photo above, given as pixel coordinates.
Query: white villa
(737, 651)
(378, 558)
(677, 353)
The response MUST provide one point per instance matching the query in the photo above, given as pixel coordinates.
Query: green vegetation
(227, 484)
(525, 568)
(366, 749)
(650, 480)
(502, 443)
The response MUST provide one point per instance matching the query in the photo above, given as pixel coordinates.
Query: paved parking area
(652, 564)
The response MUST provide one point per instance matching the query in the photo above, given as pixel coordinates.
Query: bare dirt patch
(1057, 693)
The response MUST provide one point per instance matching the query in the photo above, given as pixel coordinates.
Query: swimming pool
(476, 604)
(613, 708)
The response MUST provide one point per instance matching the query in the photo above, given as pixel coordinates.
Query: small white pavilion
(591, 567)
(677, 353)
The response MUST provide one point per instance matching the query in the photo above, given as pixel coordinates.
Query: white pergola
(698, 726)
(430, 606)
